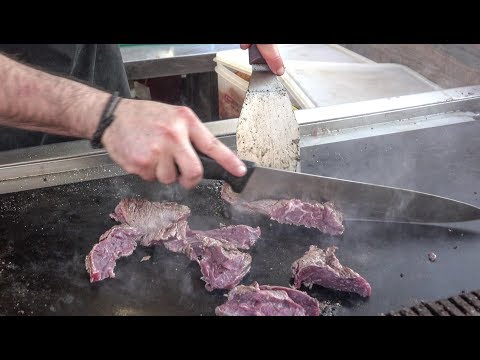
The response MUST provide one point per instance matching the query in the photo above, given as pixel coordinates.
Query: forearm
(34, 100)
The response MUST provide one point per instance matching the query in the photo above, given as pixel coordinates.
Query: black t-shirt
(100, 65)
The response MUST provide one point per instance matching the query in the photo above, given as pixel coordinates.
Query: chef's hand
(272, 57)
(148, 138)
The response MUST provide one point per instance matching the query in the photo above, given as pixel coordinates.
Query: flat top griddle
(46, 233)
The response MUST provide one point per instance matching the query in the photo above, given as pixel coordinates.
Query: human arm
(146, 138)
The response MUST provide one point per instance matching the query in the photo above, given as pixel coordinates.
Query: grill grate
(465, 304)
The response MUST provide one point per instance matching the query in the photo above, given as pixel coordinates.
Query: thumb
(272, 56)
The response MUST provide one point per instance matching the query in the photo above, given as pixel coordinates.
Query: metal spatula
(267, 131)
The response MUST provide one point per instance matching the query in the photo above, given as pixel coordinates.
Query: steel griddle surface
(45, 235)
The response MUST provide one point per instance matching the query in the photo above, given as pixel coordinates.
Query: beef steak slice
(322, 216)
(119, 241)
(241, 236)
(158, 221)
(322, 267)
(255, 300)
(223, 266)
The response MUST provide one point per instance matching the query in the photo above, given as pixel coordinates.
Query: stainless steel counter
(63, 163)
(150, 61)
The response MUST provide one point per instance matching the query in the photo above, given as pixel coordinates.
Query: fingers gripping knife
(267, 131)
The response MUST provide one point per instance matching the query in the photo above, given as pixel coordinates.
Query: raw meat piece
(177, 245)
(120, 240)
(158, 221)
(223, 266)
(323, 217)
(241, 236)
(322, 267)
(255, 300)
(310, 304)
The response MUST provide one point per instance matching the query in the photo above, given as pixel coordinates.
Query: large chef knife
(356, 200)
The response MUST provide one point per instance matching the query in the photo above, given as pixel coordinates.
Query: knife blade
(356, 200)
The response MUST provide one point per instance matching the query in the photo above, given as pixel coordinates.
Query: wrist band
(105, 121)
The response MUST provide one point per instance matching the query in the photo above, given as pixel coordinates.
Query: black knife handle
(213, 170)
(255, 55)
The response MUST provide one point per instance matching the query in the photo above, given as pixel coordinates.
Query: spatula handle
(255, 55)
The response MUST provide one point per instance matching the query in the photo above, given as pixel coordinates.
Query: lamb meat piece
(158, 221)
(251, 301)
(177, 245)
(255, 300)
(311, 214)
(241, 236)
(311, 305)
(223, 266)
(119, 241)
(322, 267)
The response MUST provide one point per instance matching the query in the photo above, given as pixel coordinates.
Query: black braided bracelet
(105, 121)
